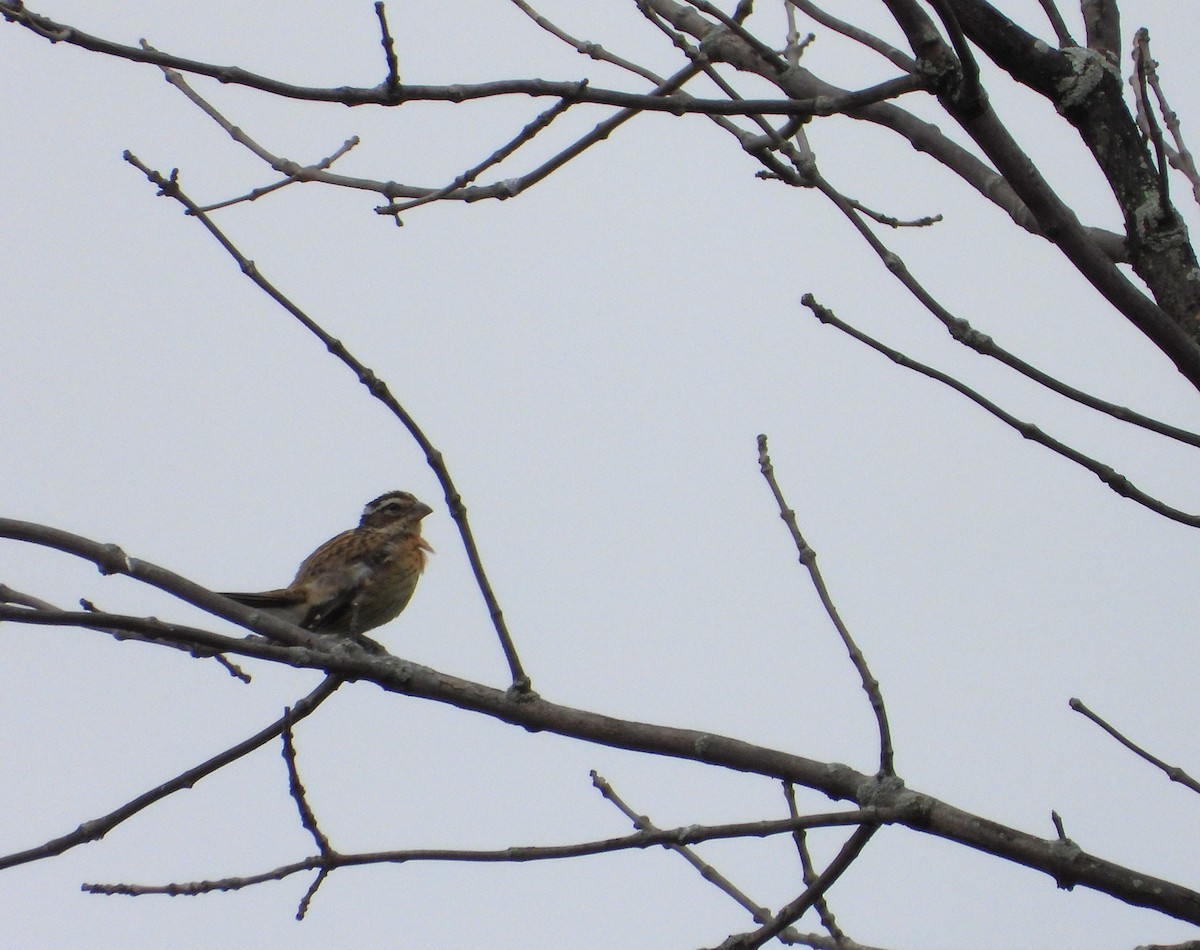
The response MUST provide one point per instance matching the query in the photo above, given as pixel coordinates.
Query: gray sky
(595, 358)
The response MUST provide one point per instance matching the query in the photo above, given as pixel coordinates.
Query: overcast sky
(595, 358)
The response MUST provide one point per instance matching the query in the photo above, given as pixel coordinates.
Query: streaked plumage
(359, 580)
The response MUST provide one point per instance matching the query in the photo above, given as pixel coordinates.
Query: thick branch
(1085, 87)
(1067, 865)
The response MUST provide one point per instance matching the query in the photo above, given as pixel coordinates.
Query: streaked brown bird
(359, 580)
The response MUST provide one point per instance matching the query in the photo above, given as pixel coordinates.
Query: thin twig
(541, 122)
(382, 95)
(305, 174)
(293, 170)
(296, 788)
(690, 834)
(1141, 59)
(1112, 478)
(757, 912)
(97, 828)
(377, 388)
(894, 55)
(808, 557)
(981, 343)
(1180, 156)
(793, 911)
(1173, 772)
(586, 48)
(308, 819)
(389, 51)
(893, 222)
(800, 837)
(151, 629)
(1058, 23)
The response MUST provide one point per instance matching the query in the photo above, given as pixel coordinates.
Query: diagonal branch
(1106, 473)
(1069, 867)
(1173, 772)
(793, 911)
(981, 343)
(377, 388)
(97, 828)
(808, 557)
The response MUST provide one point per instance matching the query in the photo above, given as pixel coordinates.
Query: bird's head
(395, 507)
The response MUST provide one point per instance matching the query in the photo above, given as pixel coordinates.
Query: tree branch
(920, 812)
(1112, 478)
(97, 828)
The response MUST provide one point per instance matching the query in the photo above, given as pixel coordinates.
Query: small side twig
(1173, 772)
(97, 828)
(1058, 23)
(34, 610)
(808, 557)
(758, 913)
(1180, 156)
(542, 121)
(1142, 61)
(858, 35)
(389, 50)
(308, 819)
(793, 911)
(893, 222)
(800, 837)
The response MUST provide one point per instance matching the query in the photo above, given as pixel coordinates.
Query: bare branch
(981, 343)
(1180, 156)
(914, 810)
(97, 828)
(10, 596)
(307, 817)
(1057, 22)
(296, 788)
(377, 388)
(808, 557)
(389, 51)
(110, 559)
(593, 50)
(1173, 772)
(139, 629)
(542, 121)
(896, 56)
(1085, 88)
(1142, 60)
(1112, 478)
(384, 95)
(825, 880)
(800, 837)
(758, 913)
(327, 862)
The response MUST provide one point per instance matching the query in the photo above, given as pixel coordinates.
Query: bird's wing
(332, 602)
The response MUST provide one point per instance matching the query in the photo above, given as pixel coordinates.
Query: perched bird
(359, 580)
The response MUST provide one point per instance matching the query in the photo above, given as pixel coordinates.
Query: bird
(359, 580)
